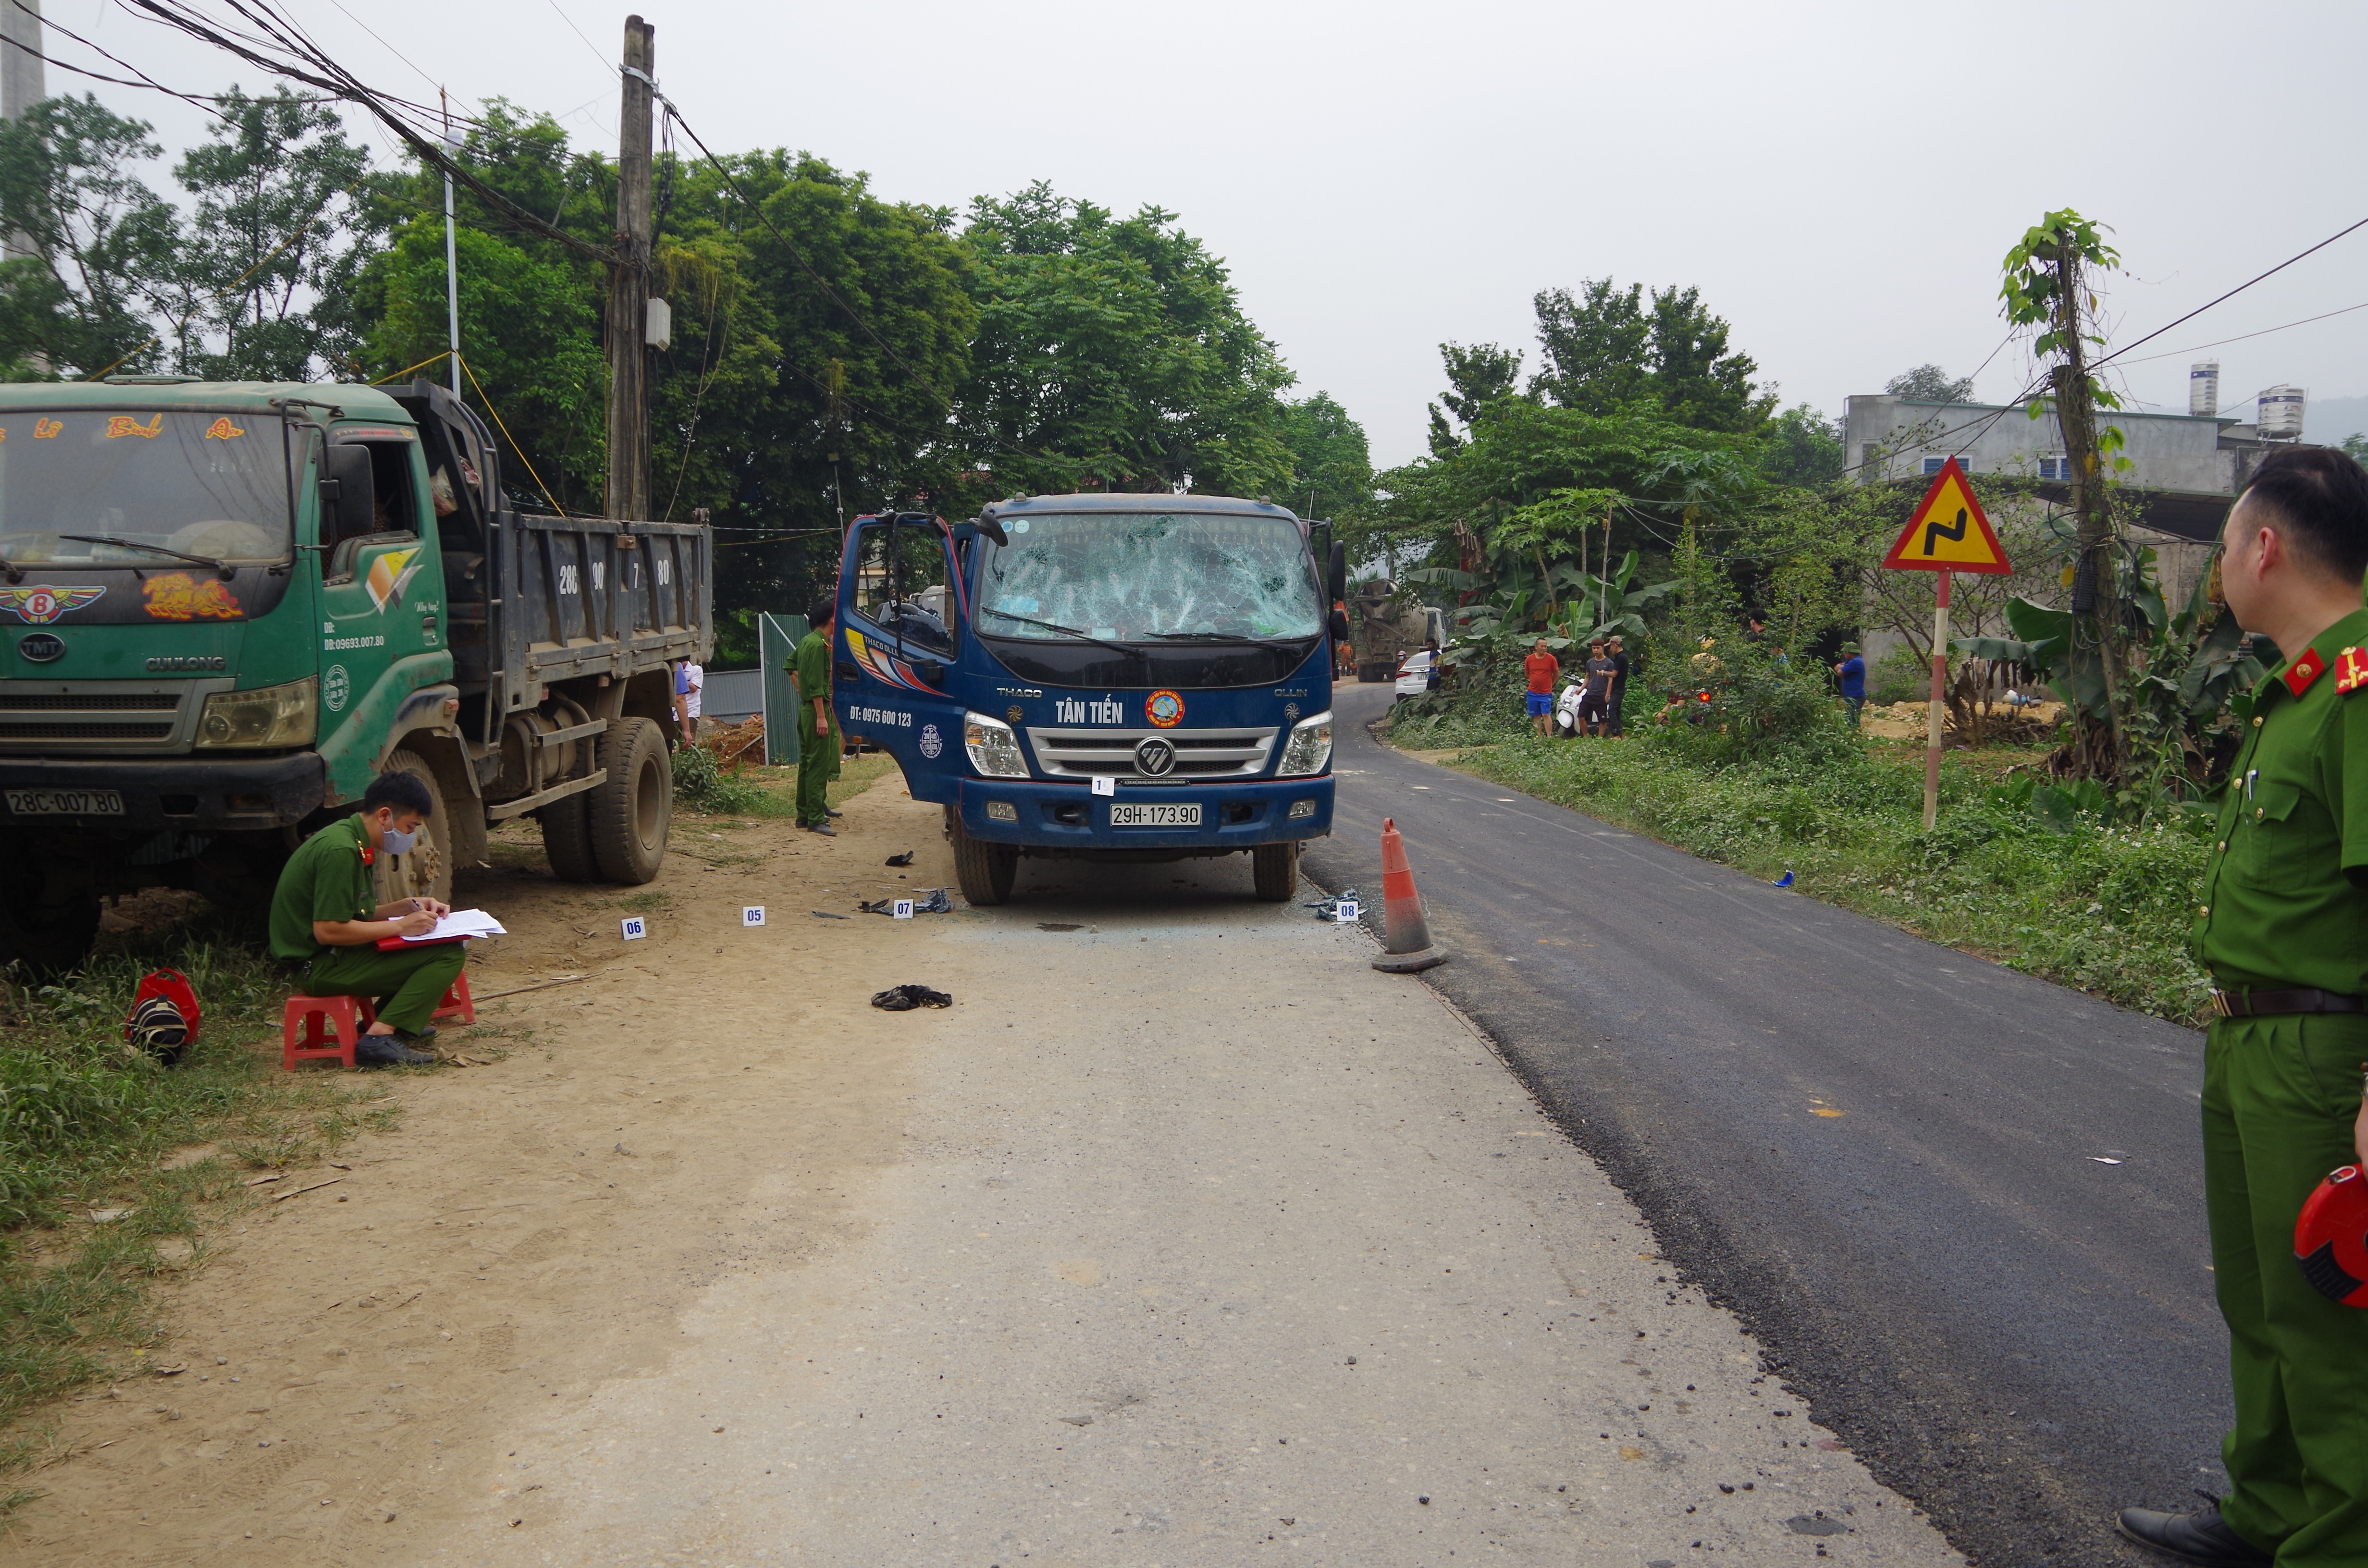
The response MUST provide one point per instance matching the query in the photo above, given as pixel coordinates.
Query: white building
(2186, 468)
(2184, 473)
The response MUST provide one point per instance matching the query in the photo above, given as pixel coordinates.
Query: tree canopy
(1930, 384)
(1607, 349)
(833, 351)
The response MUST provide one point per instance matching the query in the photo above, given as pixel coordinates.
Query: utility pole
(629, 283)
(2096, 577)
(452, 257)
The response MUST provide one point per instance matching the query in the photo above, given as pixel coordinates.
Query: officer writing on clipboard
(2282, 924)
(325, 916)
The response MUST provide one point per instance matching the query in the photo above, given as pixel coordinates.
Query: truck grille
(67, 717)
(1200, 755)
(13, 730)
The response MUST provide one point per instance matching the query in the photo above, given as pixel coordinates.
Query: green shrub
(1900, 676)
(702, 785)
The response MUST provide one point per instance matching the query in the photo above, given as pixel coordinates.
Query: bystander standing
(1851, 673)
(688, 680)
(1541, 668)
(1595, 697)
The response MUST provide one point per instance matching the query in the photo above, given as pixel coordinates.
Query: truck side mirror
(1337, 580)
(347, 493)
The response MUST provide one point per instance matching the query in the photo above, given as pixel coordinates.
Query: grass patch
(2105, 910)
(761, 791)
(85, 1124)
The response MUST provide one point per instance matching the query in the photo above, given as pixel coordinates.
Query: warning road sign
(1949, 531)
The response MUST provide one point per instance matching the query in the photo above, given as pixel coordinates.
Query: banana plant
(2193, 666)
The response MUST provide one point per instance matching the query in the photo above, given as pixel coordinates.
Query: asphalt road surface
(1962, 1207)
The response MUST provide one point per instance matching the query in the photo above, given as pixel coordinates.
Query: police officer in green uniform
(2282, 924)
(325, 916)
(817, 741)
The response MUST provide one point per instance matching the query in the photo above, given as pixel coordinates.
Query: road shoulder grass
(2102, 910)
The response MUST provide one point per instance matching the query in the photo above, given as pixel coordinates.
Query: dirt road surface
(1182, 1238)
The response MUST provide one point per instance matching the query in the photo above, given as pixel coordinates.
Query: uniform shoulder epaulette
(2351, 671)
(2302, 671)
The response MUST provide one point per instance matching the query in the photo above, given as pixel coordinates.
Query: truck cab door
(380, 595)
(899, 632)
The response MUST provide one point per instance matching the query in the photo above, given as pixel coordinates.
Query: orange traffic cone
(1405, 948)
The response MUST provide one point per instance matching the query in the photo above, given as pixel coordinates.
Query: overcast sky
(1839, 180)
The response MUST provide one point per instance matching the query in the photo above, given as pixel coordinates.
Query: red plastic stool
(331, 1025)
(456, 1006)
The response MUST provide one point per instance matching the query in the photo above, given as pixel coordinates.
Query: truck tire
(48, 938)
(426, 872)
(1275, 868)
(567, 838)
(985, 870)
(632, 811)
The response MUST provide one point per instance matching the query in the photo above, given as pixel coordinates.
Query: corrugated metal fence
(730, 696)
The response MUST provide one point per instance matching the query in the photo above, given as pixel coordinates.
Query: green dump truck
(226, 606)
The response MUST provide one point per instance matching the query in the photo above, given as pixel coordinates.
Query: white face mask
(399, 842)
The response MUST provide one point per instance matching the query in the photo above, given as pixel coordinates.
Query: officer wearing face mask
(325, 916)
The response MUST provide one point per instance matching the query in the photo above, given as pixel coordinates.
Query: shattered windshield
(203, 485)
(1155, 576)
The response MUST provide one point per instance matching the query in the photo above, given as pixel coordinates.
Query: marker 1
(1105, 785)
(634, 928)
(902, 909)
(752, 914)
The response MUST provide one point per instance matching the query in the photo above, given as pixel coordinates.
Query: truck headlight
(994, 749)
(270, 715)
(1309, 750)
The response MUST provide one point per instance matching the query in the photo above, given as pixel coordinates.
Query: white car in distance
(1414, 674)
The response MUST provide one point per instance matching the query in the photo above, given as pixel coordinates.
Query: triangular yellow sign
(1948, 532)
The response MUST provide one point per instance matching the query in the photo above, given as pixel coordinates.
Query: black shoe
(2200, 1537)
(824, 828)
(832, 812)
(385, 1050)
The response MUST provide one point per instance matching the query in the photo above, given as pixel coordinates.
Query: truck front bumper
(219, 794)
(1070, 818)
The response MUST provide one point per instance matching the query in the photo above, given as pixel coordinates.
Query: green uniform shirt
(812, 664)
(2286, 897)
(328, 877)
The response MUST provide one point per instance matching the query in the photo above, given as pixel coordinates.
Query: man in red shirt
(1542, 667)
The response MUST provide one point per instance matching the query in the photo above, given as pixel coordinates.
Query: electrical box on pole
(629, 282)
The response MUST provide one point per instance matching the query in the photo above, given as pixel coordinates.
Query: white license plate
(1178, 814)
(65, 802)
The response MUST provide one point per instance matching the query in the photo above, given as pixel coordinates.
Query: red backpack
(164, 1013)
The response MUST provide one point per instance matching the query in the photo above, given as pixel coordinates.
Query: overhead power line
(2241, 337)
(2230, 294)
(313, 65)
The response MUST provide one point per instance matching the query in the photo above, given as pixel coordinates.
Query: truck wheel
(426, 872)
(985, 869)
(1275, 868)
(633, 810)
(48, 934)
(567, 838)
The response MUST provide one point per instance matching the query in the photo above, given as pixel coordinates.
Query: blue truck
(1112, 677)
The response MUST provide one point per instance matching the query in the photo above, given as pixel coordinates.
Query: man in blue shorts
(1542, 667)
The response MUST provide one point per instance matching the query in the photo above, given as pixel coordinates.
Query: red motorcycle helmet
(2331, 1237)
